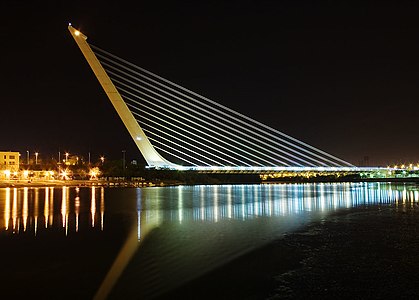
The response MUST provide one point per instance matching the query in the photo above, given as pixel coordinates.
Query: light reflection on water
(27, 209)
(31, 209)
(245, 202)
(189, 229)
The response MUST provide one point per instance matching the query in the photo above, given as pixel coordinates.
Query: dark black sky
(341, 76)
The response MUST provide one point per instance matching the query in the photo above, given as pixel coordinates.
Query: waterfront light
(25, 174)
(94, 173)
(64, 174)
(7, 174)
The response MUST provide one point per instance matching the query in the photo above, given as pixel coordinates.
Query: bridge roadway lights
(272, 169)
(281, 172)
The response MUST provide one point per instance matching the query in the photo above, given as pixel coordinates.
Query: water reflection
(246, 202)
(25, 211)
(187, 231)
(191, 229)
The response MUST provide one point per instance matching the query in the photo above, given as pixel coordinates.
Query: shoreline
(364, 252)
(73, 183)
(128, 183)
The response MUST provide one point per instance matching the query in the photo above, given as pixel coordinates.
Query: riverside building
(9, 160)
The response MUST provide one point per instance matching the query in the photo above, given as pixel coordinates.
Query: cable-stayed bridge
(176, 128)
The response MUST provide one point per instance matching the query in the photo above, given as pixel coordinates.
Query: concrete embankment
(59, 183)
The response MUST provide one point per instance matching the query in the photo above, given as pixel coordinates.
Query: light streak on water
(77, 211)
(102, 207)
(51, 207)
(14, 209)
(36, 207)
(63, 205)
(93, 206)
(25, 208)
(46, 206)
(7, 209)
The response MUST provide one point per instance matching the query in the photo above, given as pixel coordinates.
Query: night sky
(341, 76)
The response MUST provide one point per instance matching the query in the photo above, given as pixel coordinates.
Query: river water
(72, 242)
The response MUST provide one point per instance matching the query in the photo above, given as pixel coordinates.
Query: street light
(66, 156)
(102, 159)
(123, 160)
(27, 156)
(36, 158)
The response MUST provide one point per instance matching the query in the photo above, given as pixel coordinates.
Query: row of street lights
(102, 158)
(36, 157)
(66, 154)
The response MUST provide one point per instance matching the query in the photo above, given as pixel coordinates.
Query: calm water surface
(80, 242)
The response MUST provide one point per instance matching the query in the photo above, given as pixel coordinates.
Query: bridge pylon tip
(75, 33)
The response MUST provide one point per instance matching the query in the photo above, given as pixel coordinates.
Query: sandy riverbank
(368, 253)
